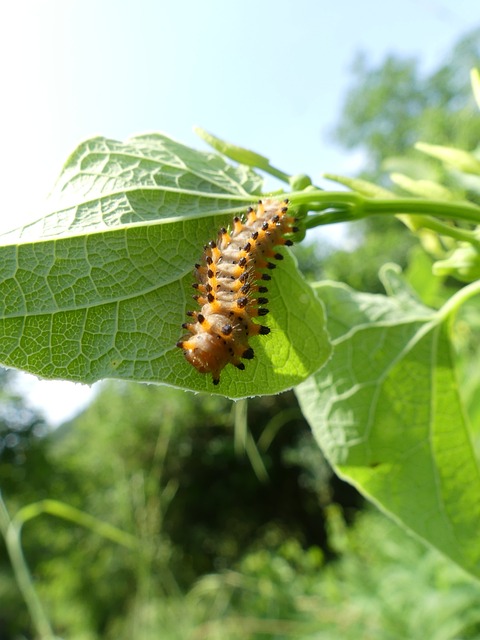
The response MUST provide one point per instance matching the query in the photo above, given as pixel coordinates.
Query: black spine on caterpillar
(230, 283)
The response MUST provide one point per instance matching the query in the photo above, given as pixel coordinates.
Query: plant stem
(453, 210)
(11, 528)
(11, 534)
(462, 235)
(340, 206)
(80, 518)
(451, 307)
(326, 199)
(244, 442)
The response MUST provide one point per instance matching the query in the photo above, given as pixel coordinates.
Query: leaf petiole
(453, 304)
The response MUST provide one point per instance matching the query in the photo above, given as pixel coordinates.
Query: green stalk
(345, 206)
(240, 154)
(80, 518)
(276, 173)
(452, 210)
(11, 533)
(451, 307)
(11, 528)
(326, 199)
(462, 235)
(244, 442)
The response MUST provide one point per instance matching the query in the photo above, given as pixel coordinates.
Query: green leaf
(107, 184)
(419, 168)
(242, 155)
(363, 187)
(423, 188)
(387, 412)
(99, 287)
(418, 274)
(233, 151)
(457, 158)
(463, 263)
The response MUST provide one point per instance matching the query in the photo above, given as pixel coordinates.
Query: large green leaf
(100, 285)
(387, 412)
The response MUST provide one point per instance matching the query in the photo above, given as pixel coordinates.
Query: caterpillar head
(210, 353)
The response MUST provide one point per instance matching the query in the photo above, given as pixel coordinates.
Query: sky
(265, 74)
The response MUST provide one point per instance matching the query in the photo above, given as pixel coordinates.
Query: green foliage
(281, 591)
(162, 467)
(98, 288)
(21, 431)
(393, 370)
(177, 453)
(386, 411)
(359, 268)
(388, 108)
(134, 457)
(393, 105)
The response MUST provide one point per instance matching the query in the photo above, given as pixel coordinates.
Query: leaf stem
(462, 235)
(451, 307)
(276, 173)
(353, 206)
(453, 210)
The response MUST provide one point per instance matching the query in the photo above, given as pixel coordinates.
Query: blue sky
(266, 74)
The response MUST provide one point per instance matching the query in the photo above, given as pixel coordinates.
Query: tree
(392, 106)
(388, 108)
(22, 450)
(163, 467)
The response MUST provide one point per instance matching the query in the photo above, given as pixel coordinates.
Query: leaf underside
(100, 285)
(387, 412)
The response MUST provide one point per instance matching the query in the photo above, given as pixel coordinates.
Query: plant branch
(353, 206)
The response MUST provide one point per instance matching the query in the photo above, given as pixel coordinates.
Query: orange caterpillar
(229, 282)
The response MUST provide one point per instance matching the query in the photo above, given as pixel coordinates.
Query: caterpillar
(231, 282)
